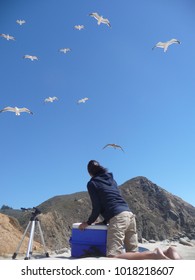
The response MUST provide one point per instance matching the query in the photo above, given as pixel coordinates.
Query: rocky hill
(10, 236)
(160, 215)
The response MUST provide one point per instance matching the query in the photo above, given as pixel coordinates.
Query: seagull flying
(115, 146)
(31, 57)
(83, 100)
(65, 50)
(51, 99)
(100, 19)
(165, 45)
(20, 22)
(7, 37)
(79, 27)
(16, 110)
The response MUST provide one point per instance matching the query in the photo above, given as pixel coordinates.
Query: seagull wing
(159, 45)
(11, 109)
(107, 145)
(154, 47)
(25, 110)
(117, 146)
(106, 21)
(95, 15)
(47, 100)
(172, 41)
(27, 56)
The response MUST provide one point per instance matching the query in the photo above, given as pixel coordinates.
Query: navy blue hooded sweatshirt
(105, 197)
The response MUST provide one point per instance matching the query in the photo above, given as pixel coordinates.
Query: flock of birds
(100, 20)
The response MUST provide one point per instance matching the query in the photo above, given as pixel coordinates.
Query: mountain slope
(160, 215)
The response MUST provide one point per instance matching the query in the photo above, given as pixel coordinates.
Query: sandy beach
(186, 252)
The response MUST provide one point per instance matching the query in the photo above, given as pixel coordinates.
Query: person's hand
(83, 225)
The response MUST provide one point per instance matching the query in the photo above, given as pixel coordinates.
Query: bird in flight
(31, 57)
(165, 45)
(79, 27)
(83, 100)
(20, 22)
(51, 99)
(115, 146)
(7, 37)
(16, 110)
(100, 19)
(65, 50)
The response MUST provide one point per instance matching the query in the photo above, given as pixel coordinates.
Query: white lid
(93, 226)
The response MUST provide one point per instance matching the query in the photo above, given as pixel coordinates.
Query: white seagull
(20, 21)
(65, 50)
(7, 37)
(51, 99)
(31, 57)
(79, 27)
(165, 45)
(83, 100)
(100, 19)
(16, 110)
(115, 146)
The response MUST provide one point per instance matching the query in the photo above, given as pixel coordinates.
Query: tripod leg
(32, 239)
(20, 243)
(42, 239)
(30, 243)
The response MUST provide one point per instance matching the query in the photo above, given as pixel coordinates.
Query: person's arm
(95, 206)
(95, 203)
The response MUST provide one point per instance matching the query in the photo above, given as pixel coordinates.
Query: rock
(10, 236)
(144, 240)
(152, 241)
(185, 242)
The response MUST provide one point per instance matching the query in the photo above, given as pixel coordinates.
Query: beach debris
(100, 19)
(165, 45)
(16, 110)
(115, 146)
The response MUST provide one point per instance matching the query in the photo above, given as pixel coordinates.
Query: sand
(186, 252)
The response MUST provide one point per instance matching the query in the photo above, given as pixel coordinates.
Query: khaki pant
(122, 234)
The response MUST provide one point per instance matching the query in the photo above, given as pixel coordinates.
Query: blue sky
(139, 98)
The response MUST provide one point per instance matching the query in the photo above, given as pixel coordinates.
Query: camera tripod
(34, 221)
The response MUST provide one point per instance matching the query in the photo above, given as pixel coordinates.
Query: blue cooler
(90, 242)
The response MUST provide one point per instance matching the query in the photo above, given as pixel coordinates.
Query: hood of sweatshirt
(104, 178)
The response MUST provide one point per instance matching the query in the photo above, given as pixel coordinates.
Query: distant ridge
(160, 215)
